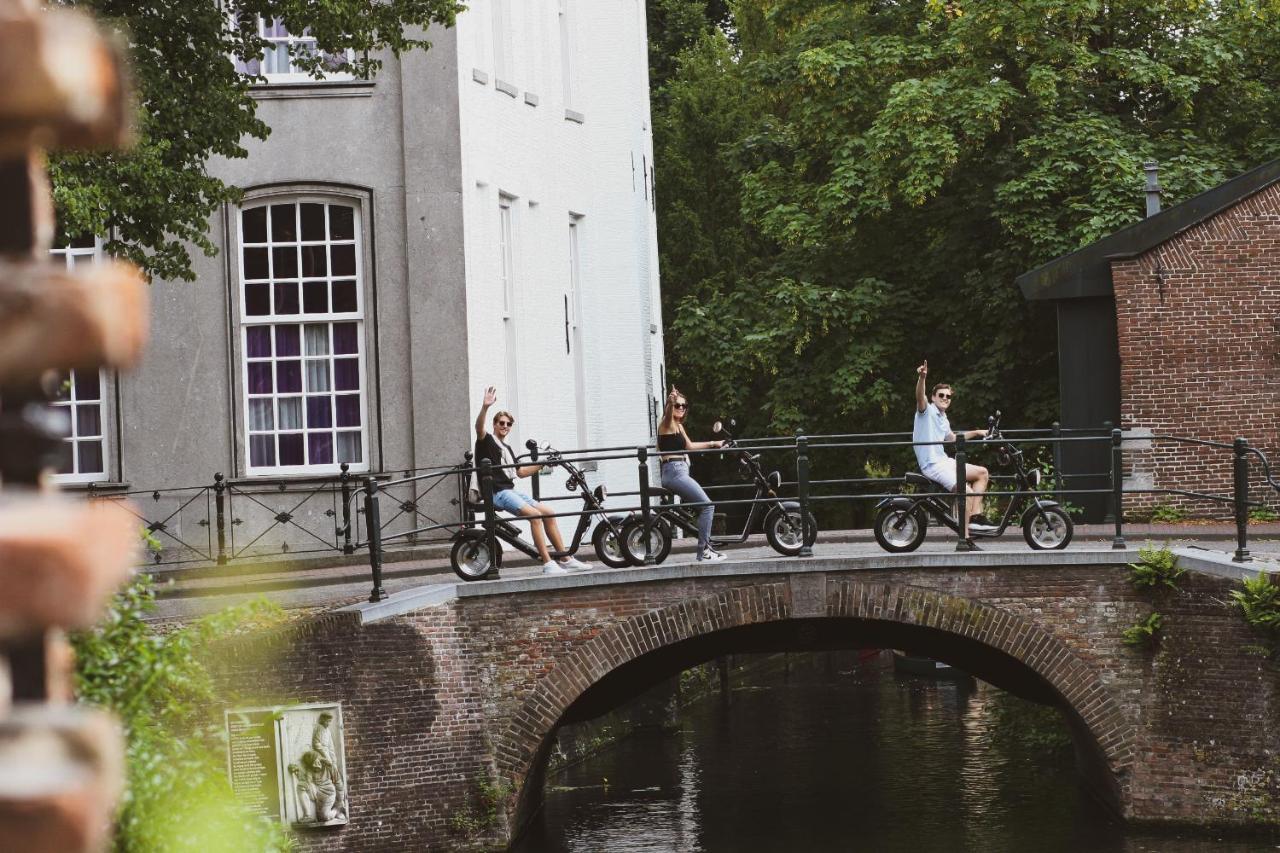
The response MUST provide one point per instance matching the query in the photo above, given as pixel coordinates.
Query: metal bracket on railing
(962, 497)
(373, 532)
(802, 493)
(646, 508)
(1240, 469)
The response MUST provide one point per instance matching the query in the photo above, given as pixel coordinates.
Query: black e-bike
(471, 558)
(782, 524)
(902, 521)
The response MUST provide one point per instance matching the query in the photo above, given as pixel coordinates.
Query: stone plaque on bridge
(289, 763)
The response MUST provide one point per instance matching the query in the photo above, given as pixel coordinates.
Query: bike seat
(917, 479)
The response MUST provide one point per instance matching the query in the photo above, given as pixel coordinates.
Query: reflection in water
(818, 758)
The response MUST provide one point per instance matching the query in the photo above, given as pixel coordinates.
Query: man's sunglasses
(505, 423)
(942, 396)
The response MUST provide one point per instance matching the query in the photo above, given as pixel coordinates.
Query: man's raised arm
(490, 397)
(922, 375)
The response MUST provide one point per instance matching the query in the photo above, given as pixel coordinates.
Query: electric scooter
(782, 525)
(470, 556)
(902, 521)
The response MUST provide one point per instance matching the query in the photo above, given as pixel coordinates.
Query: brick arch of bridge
(1094, 712)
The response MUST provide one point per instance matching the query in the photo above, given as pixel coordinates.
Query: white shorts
(942, 473)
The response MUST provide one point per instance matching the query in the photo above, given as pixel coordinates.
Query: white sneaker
(551, 567)
(710, 555)
(573, 564)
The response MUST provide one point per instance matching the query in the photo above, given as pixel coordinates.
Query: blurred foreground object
(61, 85)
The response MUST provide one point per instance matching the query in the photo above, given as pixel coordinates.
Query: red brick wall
(434, 699)
(1201, 356)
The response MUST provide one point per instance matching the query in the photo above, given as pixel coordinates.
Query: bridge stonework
(440, 693)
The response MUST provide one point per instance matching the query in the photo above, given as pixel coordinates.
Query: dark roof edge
(1087, 271)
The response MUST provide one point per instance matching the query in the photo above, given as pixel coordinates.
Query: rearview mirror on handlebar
(717, 427)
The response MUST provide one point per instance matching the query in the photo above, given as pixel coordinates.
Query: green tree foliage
(846, 187)
(177, 797)
(155, 200)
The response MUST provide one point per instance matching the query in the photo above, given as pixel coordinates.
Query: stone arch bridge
(445, 686)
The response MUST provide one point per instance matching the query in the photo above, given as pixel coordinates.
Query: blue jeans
(675, 478)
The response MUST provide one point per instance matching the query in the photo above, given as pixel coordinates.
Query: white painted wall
(553, 168)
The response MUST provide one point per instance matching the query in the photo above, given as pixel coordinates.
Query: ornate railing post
(534, 485)
(1117, 486)
(490, 517)
(344, 482)
(373, 532)
(464, 487)
(964, 543)
(220, 515)
(1240, 465)
(802, 493)
(646, 505)
(1057, 461)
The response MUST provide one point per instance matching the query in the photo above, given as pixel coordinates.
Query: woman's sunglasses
(680, 405)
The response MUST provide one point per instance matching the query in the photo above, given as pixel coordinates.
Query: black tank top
(670, 444)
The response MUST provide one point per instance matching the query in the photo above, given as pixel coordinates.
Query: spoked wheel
(784, 531)
(899, 530)
(1048, 528)
(633, 541)
(608, 545)
(471, 559)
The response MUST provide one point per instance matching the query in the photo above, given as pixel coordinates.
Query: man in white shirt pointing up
(932, 425)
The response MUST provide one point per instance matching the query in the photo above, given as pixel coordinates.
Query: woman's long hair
(668, 423)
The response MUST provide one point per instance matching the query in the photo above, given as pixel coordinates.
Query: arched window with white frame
(302, 336)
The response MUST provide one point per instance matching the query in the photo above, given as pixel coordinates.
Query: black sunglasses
(942, 396)
(505, 423)
(680, 405)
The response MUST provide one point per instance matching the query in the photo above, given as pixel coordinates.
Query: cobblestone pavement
(325, 588)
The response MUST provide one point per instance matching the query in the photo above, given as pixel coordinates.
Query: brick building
(1171, 326)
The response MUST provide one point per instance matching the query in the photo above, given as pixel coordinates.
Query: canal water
(833, 752)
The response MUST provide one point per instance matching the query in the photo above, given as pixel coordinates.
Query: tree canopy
(154, 201)
(846, 187)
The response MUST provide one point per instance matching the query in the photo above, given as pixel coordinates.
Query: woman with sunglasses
(673, 441)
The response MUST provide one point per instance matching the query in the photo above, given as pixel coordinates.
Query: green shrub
(177, 796)
(1166, 514)
(1156, 568)
(1259, 601)
(1145, 633)
(1261, 514)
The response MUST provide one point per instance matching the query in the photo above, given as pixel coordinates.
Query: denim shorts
(512, 501)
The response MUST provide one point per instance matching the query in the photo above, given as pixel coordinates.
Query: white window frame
(502, 50)
(71, 256)
(567, 46)
(302, 320)
(292, 76)
(507, 282)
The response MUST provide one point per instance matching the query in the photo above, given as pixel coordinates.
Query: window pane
(291, 449)
(255, 219)
(315, 295)
(320, 444)
(287, 340)
(82, 241)
(259, 377)
(317, 374)
(257, 300)
(90, 453)
(344, 260)
(255, 264)
(284, 262)
(284, 227)
(88, 421)
(258, 342)
(346, 374)
(348, 410)
(317, 339)
(318, 412)
(313, 222)
(349, 447)
(289, 376)
(344, 297)
(66, 458)
(262, 450)
(260, 415)
(287, 298)
(87, 384)
(314, 261)
(291, 413)
(342, 222)
(345, 339)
